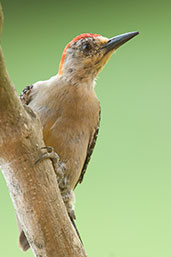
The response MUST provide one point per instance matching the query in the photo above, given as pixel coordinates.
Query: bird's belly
(70, 143)
(68, 121)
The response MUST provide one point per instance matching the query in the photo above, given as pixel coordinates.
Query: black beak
(117, 41)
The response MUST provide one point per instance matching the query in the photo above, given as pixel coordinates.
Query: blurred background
(123, 207)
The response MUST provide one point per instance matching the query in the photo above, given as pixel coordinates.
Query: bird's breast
(68, 122)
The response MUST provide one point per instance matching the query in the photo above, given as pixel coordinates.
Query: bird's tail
(24, 244)
(75, 227)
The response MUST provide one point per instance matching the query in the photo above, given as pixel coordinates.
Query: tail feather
(23, 243)
(74, 225)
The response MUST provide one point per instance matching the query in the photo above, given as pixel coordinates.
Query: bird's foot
(58, 166)
(63, 182)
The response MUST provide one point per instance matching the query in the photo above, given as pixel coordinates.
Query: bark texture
(33, 188)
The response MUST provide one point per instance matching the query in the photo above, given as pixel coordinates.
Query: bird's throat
(82, 78)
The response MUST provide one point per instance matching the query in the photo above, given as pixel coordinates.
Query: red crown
(85, 35)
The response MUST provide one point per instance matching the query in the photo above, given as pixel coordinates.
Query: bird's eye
(86, 47)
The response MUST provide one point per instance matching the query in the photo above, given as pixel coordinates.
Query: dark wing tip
(89, 151)
(25, 95)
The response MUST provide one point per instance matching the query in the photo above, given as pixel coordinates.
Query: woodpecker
(69, 109)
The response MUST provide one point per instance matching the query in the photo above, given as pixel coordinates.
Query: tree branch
(33, 188)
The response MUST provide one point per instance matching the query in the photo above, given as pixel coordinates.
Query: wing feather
(25, 96)
(90, 150)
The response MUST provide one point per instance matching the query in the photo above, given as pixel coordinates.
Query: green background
(123, 206)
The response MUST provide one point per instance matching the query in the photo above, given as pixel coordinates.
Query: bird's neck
(78, 79)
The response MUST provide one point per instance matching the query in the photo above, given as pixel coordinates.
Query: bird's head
(87, 54)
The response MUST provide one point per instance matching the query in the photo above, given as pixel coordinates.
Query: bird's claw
(50, 154)
(58, 166)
